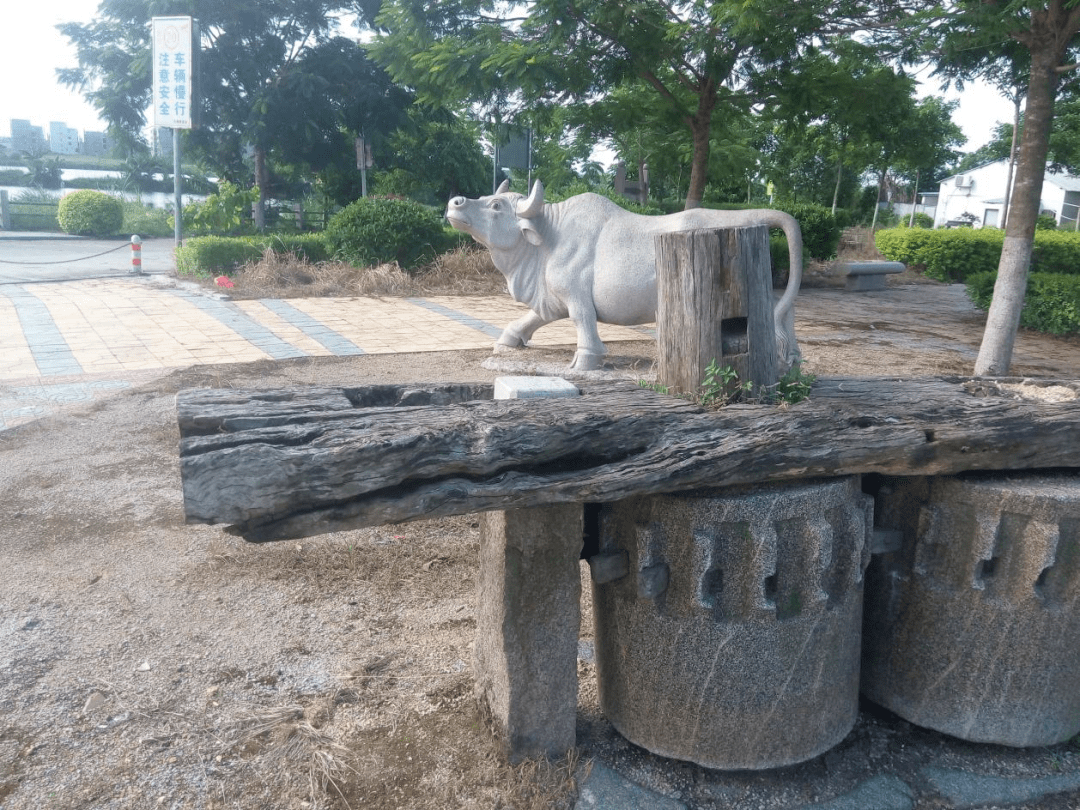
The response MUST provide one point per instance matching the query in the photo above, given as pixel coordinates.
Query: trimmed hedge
(947, 255)
(374, 230)
(1051, 302)
(212, 255)
(955, 254)
(1056, 252)
(820, 229)
(90, 213)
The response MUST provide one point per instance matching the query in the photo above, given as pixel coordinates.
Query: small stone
(143, 667)
(95, 701)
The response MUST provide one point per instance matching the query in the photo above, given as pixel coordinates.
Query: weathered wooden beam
(298, 462)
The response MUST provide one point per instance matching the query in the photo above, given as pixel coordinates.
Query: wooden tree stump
(715, 302)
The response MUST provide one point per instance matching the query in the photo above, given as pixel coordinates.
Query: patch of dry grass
(466, 270)
(289, 735)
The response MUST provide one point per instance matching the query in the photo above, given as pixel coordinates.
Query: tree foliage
(699, 59)
(274, 81)
(1037, 40)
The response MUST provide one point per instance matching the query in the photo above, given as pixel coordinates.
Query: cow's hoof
(509, 340)
(587, 361)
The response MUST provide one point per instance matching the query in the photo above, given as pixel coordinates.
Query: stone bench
(863, 276)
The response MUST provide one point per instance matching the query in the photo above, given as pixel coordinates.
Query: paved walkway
(69, 341)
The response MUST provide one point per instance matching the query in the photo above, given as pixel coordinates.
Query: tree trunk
(995, 353)
(914, 200)
(836, 188)
(259, 212)
(701, 130)
(877, 202)
(1012, 159)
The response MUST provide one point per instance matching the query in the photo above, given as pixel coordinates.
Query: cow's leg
(590, 349)
(517, 334)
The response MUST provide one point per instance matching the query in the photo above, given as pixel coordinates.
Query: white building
(63, 140)
(25, 137)
(980, 193)
(96, 143)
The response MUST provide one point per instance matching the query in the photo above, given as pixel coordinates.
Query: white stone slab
(534, 388)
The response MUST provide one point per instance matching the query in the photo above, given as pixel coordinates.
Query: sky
(31, 49)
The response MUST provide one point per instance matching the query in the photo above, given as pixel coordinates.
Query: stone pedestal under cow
(589, 260)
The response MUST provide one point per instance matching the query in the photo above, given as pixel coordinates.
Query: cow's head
(499, 221)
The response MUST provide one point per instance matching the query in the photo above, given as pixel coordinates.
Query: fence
(27, 215)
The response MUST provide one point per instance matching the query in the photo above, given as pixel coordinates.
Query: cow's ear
(530, 232)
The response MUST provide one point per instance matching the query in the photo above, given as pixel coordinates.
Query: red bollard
(136, 255)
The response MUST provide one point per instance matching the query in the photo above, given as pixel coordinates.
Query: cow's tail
(784, 312)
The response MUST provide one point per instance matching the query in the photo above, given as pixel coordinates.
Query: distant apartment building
(96, 143)
(63, 140)
(25, 137)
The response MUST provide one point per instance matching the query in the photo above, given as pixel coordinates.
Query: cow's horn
(503, 187)
(527, 209)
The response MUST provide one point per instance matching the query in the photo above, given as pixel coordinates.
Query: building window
(990, 217)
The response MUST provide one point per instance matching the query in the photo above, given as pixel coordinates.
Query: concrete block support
(529, 612)
(528, 622)
(733, 639)
(971, 626)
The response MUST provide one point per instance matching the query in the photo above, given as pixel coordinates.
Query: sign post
(173, 94)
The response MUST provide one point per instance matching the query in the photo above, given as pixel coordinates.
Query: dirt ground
(145, 663)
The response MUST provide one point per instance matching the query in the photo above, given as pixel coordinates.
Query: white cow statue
(589, 260)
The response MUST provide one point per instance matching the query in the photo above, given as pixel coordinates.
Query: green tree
(45, 172)
(840, 107)
(1039, 39)
(931, 145)
(997, 148)
(435, 157)
(271, 78)
(697, 57)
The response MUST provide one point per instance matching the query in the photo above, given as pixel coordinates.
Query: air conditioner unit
(964, 181)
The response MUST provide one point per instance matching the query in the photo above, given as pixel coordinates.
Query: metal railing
(27, 215)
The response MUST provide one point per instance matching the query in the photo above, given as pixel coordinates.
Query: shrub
(781, 258)
(146, 221)
(957, 253)
(947, 255)
(223, 212)
(374, 230)
(980, 288)
(1046, 222)
(1056, 252)
(921, 220)
(820, 229)
(310, 246)
(92, 213)
(211, 255)
(1051, 301)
